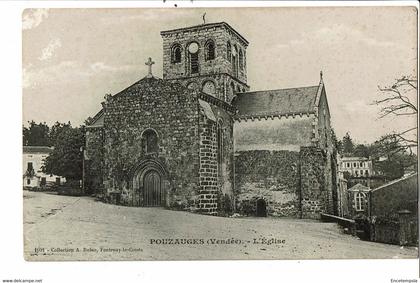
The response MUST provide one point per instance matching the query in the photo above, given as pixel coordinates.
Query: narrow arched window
(229, 52)
(150, 141)
(235, 61)
(209, 50)
(241, 59)
(360, 201)
(176, 53)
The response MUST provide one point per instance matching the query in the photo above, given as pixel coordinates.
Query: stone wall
(314, 193)
(269, 175)
(216, 178)
(94, 162)
(208, 166)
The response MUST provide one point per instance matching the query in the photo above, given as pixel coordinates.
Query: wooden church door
(153, 194)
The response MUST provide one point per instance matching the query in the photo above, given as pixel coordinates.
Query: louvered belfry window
(194, 63)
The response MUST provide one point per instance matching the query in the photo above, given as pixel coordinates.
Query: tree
(56, 130)
(347, 144)
(66, 159)
(361, 150)
(399, 99)
(36, 134)
(395, 159)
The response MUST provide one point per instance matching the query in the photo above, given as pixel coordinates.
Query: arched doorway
(153, 194)
(150, 183)
(261, 210)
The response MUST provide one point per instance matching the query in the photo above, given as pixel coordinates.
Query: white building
(33, 159)
(356, 166)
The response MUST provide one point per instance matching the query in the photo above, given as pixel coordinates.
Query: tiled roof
(276, 102)
(37, 149)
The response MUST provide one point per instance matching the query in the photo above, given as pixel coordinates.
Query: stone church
(199, 140)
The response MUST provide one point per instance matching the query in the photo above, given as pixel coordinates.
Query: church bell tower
(208, 57)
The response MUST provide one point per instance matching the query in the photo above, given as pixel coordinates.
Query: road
(81, 228)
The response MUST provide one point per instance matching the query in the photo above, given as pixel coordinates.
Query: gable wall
(173, 114)
(324, 123)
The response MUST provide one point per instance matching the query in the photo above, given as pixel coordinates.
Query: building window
(30, 166)
(194, 63)
(354, 164)
(229, 52)
(360, 201)
(348, 165)
(28, 181)
(150, 141)
(176, 53)
(57, 181)
(367, 173)
(209, 50)
(241, 60)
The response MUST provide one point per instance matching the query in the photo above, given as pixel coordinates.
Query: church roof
(276, 102)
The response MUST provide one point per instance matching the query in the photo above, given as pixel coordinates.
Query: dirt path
(74, 228)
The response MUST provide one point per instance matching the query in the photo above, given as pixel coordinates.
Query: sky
(73, 57)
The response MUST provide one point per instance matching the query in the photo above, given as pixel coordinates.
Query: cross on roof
(150, 63)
